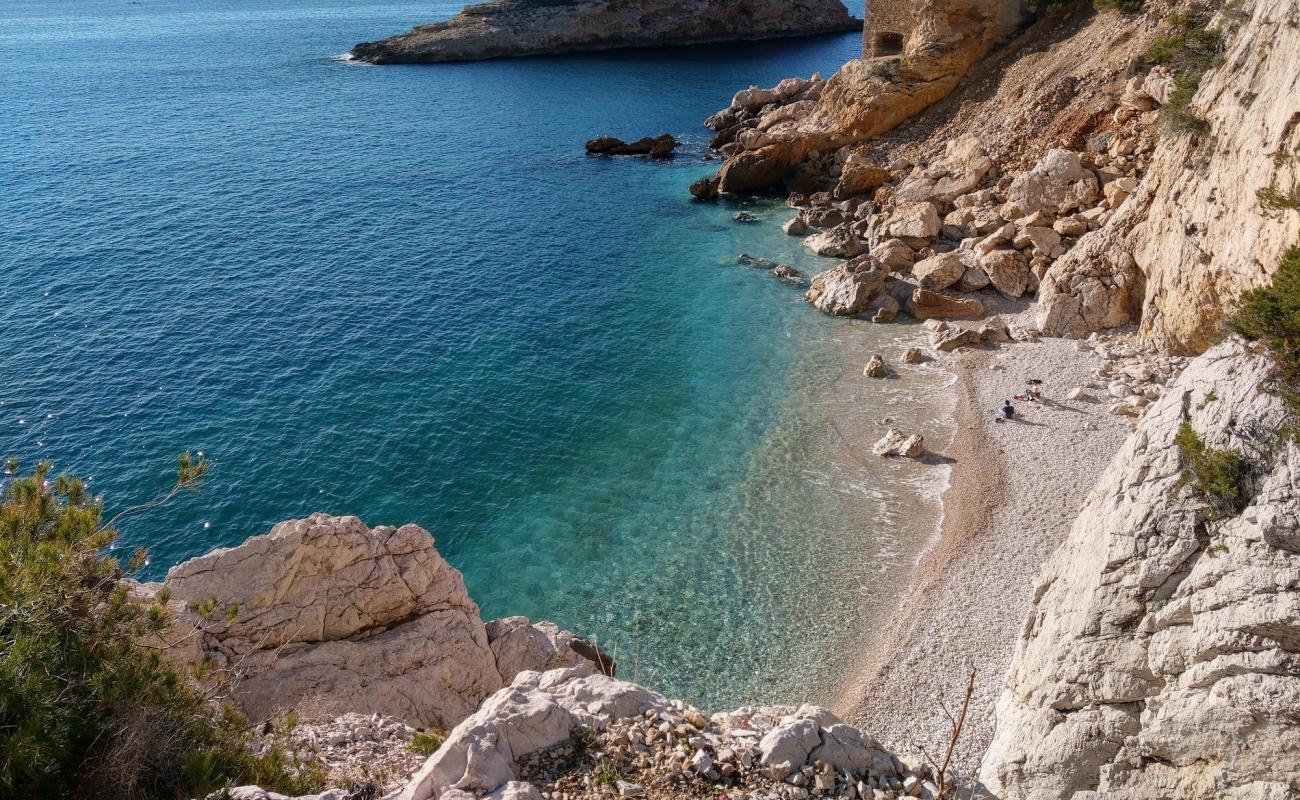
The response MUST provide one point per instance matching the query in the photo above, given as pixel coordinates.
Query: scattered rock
(914, 355)
(789, 274)
(796, 226)
(705, 189)
(897, 443)
(875, 368)
(656, 147)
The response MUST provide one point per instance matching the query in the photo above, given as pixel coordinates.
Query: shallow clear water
(405, 293)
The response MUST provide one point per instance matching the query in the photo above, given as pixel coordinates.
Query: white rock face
(537, 711)
(1213, 208)
(353, 619)
(328, 613)
(1161, 657)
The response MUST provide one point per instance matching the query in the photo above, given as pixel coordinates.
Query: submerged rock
(705, 189)
(506, 28)
(789, 274)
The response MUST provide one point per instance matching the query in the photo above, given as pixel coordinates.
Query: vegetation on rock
(1271, 315)
(1216, 475)
(87, 710)
(1190, 51)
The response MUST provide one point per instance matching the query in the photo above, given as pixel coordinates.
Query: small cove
(405, 293)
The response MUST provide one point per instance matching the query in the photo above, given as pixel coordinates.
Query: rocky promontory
(508, 28)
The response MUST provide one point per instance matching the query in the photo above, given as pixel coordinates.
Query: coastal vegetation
(1190, 51)
(1213, 474)
(87, 708)
(1271, 315)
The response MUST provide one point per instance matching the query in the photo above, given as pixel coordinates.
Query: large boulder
(751, 170)
(1096, 285)
(925, 304)
(1007, 270)
(536, 711)
(859, 177)
(939, 271)
(914, 221)
(518, 645)
(838, 242)
(895, 255)
(1058, 184)
(847, 288)
(1159, 656)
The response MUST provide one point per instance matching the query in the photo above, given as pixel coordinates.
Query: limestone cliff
(504, 28)
(1206, 236)
(326, 616)
(1161, 657)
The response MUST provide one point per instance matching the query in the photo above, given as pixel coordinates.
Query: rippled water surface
(405, 293)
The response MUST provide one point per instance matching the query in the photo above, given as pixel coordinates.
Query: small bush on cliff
(1215, 475)
(1189, 52)
(86, 710)
(1271, 315)
(1126, 6)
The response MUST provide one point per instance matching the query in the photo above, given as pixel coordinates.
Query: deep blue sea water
(405, 293)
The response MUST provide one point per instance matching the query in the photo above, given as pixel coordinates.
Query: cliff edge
(509, 28)
(1161, 656)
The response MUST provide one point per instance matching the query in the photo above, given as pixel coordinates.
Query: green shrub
(1271, 315)
(426, 743)
(86, 710)
(1274, 199)
(1215, 475)
(606, 774)
(1126, 6)
(1189, 52)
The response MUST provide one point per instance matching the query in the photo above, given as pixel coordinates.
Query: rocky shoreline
(513, 28)
(1100, 623)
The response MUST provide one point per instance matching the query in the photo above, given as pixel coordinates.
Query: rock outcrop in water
(1160, 658)
(505, 28)
(327, 613)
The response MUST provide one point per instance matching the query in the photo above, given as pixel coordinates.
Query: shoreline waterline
(968, 596)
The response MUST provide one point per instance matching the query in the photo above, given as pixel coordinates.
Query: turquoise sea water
(405, 293)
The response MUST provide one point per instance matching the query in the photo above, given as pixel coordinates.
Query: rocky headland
(507, 28)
